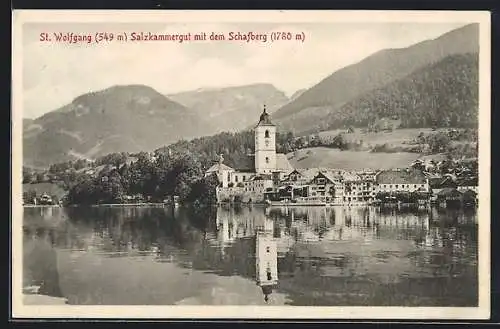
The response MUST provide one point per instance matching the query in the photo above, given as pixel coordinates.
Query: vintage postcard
(251, 164)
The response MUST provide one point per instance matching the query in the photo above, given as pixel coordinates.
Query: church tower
(266, 263)
(265, 145)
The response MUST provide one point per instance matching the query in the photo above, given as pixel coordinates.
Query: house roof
(441, 182)
(449, 191)
(401, 177)
(308, 174)
(350, 176)
(467, 182)
(218, 167)
(332, 175)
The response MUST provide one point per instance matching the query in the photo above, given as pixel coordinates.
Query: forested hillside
(442, 95)
(354, 83)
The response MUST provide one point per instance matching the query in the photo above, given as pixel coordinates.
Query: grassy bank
(349, 160)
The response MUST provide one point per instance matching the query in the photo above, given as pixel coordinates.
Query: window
(267, 160)
(244, 177)
(268, 249)
(396, 185)
(228, 177)
(266, 134)
(236, 179)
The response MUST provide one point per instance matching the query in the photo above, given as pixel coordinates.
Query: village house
(438, 183)
(401, 180)
(258, 185)
(312, 185)
(466, 184)
(298, 177)
(224, 173)
(358, 188)
(326, 186)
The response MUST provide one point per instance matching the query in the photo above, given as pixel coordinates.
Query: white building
(224, 173)
(267, 164)
(401, 180)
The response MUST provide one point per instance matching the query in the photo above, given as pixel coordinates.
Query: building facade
(269, 167)
(401, 180)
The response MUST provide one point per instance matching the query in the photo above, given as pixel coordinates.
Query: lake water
(339, 256)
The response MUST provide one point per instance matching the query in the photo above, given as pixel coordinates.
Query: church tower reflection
(266, 258)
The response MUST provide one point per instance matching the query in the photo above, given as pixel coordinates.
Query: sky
(55, 73)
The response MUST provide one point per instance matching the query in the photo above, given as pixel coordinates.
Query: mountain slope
(297, 94)
(232, 108)
(121, 118)
(442, 94)
(371, 73)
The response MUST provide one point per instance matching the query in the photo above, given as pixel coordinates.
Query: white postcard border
(271, 312)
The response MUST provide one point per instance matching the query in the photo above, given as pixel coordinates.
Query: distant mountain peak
(232, 108)
(226, 88)
(126, 118)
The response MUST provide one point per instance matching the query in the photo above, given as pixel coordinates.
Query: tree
(112, 190)
(40, 177)
(27, 175)
(203, 190)
(339, 142)
(115, 159)
(85, 191)
(438, 142)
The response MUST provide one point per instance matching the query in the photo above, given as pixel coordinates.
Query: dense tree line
(235, 147)
(149, 178)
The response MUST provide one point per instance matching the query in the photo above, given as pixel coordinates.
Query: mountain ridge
(118, 118)
(232, 108)
(375, 71)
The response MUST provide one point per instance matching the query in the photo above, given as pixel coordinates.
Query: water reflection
(355, 256)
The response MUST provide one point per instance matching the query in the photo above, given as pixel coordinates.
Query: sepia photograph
(251, 164)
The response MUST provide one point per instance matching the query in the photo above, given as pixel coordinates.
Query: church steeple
(265, 145)
(264, 118)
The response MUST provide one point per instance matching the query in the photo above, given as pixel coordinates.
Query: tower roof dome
(265, 119)
(267, 290)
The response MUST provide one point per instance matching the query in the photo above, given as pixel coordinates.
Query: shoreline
(272, 205)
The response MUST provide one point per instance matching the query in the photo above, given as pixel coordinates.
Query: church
(269, 167)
